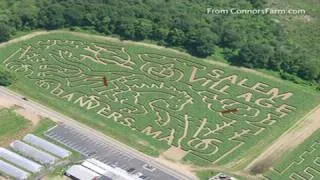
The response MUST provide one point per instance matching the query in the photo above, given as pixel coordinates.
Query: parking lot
(92, 147)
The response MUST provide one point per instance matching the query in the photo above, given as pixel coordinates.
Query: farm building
(46, 145)
(81, 173)
(13, 171)
(20, 161)
(34, 153)
(107, 171)
(94, 168)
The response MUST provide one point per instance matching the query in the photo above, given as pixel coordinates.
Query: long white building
(115, 173)
(82, 173)
(101, 171)
(34, 153)
(46, 145)
(20, 161)
(13, 171)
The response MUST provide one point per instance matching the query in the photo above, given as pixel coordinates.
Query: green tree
(74, 15)
(52, 17)
(6, 79)
(201, 42)
(309, 70)
(4, 32)
(255, 55)
(126, 27)
(281, 55)
(296, 59)
(230, 39)
(143, 29)
(25, 14)
(105, 26)
(175, 37)
(159, 33)
(258, 3)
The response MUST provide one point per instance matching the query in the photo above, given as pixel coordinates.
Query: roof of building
(94, 167)
(13, 171)
(114, 173)
(32, 152)
(46, 145)
(82, 173)
(20, 161)
(104, 178)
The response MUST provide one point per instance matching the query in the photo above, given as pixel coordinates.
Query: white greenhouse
(20, 161)
(34, 153)
(46, 145)
(94, 167)
(13, 171)
(81, 173)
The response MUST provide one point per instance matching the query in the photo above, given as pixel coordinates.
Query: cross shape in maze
(305, 167)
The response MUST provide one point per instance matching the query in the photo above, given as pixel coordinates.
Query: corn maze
(167, 99)
(303, 164)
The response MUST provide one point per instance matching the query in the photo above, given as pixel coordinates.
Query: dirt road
(25, 37)
(288, 141)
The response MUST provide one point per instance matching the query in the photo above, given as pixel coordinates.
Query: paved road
(46, 112)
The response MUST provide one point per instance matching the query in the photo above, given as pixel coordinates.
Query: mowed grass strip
(164, 98)
(11, 124)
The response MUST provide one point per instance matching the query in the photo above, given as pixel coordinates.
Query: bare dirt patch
(5, 102)
(287, 142)
(3, 178)
(30, 115)
(174, 153)
(26, 113)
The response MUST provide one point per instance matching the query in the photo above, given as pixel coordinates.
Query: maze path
(302, 164)
(176, 101)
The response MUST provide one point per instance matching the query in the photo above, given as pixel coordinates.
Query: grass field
(11, 124)
(301, 163)
(14, 126)
(156, 98)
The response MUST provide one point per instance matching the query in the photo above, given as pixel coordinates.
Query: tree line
(6, 78)
(253, 41)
